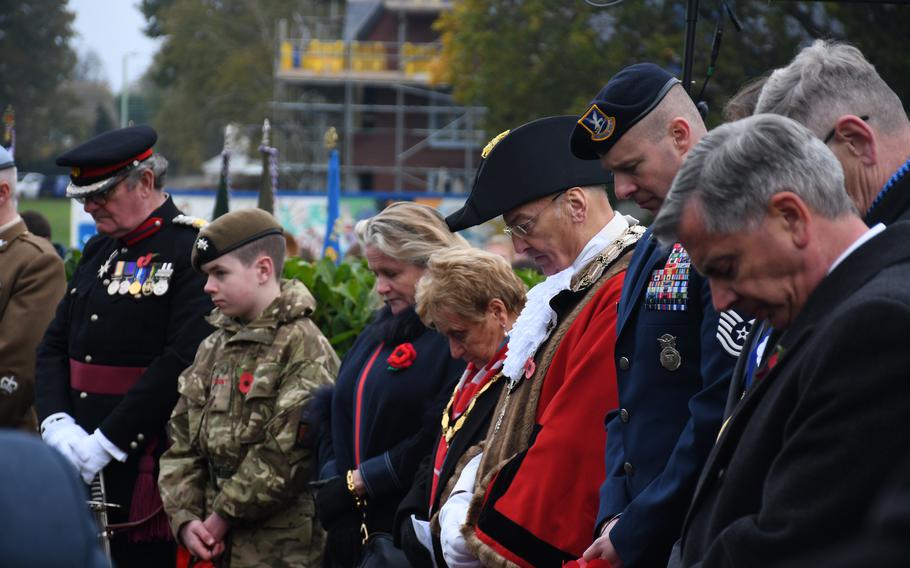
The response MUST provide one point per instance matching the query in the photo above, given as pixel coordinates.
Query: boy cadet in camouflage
(234, 481)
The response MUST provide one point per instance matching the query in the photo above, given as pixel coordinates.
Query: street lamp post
(125, 93)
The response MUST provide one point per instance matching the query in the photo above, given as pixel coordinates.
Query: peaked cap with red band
(106, 159)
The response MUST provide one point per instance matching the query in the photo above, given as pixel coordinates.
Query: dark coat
(398, 411)
(45, 518)
(668, 421)
(159, 333)
(799, 463)
(738, 380)
(894, 205)
(416, 502)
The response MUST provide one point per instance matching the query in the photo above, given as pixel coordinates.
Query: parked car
(29, 185)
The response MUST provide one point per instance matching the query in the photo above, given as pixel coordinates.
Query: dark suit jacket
(738, 380)
(800, 461)
(668, 421)
(894, 205)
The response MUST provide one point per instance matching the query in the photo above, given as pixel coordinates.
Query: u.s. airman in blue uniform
(674, 351)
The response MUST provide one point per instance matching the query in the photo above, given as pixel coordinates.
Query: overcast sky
(113, 29)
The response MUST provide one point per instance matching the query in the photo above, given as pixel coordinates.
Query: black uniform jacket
(158, 331)
(797, 466)
(417, 501)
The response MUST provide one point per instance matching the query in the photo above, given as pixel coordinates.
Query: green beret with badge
(232, 231)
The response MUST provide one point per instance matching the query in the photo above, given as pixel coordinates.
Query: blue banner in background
(332, 244)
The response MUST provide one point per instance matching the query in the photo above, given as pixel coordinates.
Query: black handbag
(379, 551)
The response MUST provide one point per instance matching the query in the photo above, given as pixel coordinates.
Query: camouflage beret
(230, 232)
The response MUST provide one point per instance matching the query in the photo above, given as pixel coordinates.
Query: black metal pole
(689, 46)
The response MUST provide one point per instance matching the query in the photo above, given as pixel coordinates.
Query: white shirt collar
(609, 233)
(856, 244)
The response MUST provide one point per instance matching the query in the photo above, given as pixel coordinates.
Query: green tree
(35, 64)
(533, 58)
(879, 31)
(214, 67)
(103, 121)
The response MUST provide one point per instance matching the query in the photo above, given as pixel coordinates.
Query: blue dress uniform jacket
(158, 332)
(799, 464)
(671, 403)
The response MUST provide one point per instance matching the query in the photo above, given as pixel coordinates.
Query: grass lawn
(57, 212)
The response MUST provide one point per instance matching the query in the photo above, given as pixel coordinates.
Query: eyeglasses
(100, 199)
(523, 230)
(826, 139)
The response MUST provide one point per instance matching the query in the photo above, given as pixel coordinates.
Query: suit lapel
(640, 269)
(733, 427)
(881, 251)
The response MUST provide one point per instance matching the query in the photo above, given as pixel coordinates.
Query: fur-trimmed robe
(536, 493)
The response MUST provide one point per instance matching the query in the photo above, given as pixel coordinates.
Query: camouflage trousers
(300, 547)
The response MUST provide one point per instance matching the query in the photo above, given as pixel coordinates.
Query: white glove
(61, 432)
(453, 515)
(92, 456)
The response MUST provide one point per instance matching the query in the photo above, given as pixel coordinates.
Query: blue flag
(332, 245)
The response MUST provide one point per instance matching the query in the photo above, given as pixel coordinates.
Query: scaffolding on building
(367, 69)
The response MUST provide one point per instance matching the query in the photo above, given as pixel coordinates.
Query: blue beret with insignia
(6, 159)
(626, 99)
(524, 164)
(106, 159)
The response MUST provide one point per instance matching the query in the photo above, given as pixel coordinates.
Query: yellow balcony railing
(334, 56)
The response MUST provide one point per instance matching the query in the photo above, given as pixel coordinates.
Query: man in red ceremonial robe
(530, 497)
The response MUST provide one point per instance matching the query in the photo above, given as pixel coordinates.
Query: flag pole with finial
(224, 182)
(332, 244)
(268, 181)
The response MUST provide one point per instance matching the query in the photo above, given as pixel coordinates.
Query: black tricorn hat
(626, 99)
(105, 159)
(524, 164)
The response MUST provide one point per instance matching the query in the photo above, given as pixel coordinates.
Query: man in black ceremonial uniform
(129, 323)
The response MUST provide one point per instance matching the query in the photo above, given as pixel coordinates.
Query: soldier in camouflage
(234, 481)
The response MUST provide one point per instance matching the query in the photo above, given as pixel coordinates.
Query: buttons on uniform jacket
(94, 317)
(88, 358)
(624, 363)
(628, 468)
(624, 415)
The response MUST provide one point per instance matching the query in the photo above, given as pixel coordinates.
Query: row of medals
(155, 283)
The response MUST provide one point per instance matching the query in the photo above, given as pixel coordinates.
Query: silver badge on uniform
(162, 275)
(8, 385)
(670, 359)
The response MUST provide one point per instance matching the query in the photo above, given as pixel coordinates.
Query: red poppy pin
(530, 367)
(402, 357)
(246, 382)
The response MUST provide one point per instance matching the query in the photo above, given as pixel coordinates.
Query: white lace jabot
(538, 319)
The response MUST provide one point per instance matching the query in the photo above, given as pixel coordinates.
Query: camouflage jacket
(234, 433)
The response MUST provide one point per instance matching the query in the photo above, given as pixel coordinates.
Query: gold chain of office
(448, 432)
